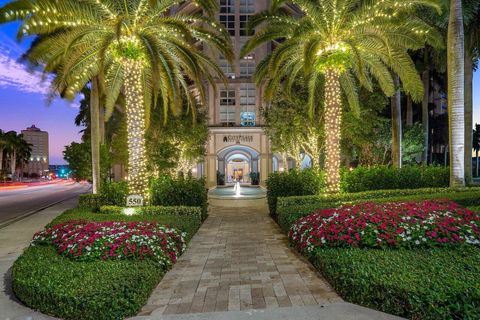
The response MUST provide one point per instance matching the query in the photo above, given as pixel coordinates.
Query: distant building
(38, 162)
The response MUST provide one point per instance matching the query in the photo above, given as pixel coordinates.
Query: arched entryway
(237, 163)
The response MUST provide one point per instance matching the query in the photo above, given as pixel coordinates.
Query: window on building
(250, 56)
(247, 104)
(227, 107)
(227, 15)
(247, 68)
(227, 69)
(247, 8)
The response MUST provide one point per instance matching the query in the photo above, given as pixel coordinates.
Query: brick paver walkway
(238, 260)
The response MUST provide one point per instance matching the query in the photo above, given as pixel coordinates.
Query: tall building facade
(237, 149)
(38, 162)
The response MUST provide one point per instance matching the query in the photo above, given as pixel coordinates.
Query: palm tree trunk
(1, 159)
(425, 114)
(102, 124)
(13, 164)
(137, 165)
(476, 167)
(456, 94)
(409, 115)
(333, 120)
(468, 117)
(396, 106)
(95, 135)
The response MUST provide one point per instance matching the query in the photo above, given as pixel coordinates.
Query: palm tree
(336, 45)
(471, 16)
(476, 145)
(17, 149)
(136, 48)
(3, 145)
(396, 107)
(456, 94)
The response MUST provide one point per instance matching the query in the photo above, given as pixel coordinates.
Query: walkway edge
(330, 311)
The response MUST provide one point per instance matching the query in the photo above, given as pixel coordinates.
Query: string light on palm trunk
(333, 119)
(137, 159)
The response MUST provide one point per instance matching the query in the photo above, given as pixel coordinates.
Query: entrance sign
(134, 201)
(237, 138)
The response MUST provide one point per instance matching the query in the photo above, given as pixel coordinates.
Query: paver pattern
(238, 260)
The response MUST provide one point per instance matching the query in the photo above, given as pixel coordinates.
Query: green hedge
(98, 290)
(182, 191)
(155, 211)
(111, 194)
(387, 177)
(433, 284)
(90, 202)
(189, 224)
(292, 183)
(291, 209)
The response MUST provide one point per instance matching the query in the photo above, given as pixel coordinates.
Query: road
(20, 202)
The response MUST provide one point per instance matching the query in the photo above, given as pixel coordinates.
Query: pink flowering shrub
(398, 224)
(114, 240)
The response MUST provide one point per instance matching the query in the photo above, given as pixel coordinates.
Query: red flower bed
(374, 225)
(114, 240)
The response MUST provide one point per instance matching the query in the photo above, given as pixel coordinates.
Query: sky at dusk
(23, 97)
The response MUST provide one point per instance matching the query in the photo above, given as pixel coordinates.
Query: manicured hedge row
(387, 177)
(428, 284)
(309, 182)
(91, 202)
(165, 191)
(154, 211)
(292, 183)
(95, 290)
(186, 223)
(292, 208)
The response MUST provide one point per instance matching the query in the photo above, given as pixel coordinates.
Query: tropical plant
(412, 143)
(137, 48)
(17, 150)
(292, 133)
(456, 94)
(176, 147)
(476, 145)
(337, 45)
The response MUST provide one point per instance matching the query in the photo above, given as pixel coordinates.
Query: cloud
(15, 76)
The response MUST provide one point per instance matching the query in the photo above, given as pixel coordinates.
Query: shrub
(182, 191)
(90, 201)
(155, 211)
(394, 224)
(114, 240)
(188, 224)
(427, 284)
(292, 183)
(291, 209)
(112, 193)
(387, 177)
(95, 290)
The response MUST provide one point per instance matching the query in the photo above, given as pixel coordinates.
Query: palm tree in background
(3, 146)
(471, 14)
(456, 94)
(476, 145)
(18, 151)
(134, 48)
(336, 46)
